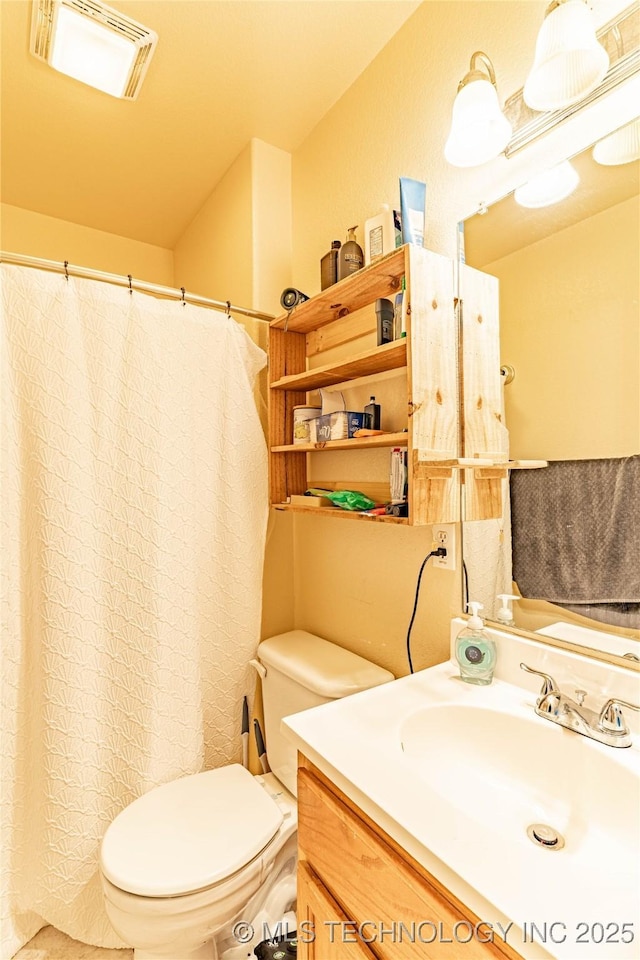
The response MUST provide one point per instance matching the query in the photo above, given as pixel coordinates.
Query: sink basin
(511, 771)
(457, 774)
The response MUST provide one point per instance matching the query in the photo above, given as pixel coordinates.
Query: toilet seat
(189, 834)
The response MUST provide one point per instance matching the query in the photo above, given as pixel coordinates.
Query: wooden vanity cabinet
(353, 878)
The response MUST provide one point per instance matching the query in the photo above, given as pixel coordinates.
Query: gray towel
(576, 531)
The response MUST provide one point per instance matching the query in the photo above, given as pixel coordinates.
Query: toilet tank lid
(320, 666)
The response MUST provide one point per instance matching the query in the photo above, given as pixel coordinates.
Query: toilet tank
(303, 671)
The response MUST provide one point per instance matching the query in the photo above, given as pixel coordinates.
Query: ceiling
(224, 71)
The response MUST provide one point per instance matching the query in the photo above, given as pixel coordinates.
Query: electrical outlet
(444, 535)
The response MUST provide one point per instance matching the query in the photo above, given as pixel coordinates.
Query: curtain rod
(121, 281)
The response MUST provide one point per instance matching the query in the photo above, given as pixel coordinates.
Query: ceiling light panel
(92, 43)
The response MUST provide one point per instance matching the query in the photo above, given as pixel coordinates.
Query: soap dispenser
(505, 613)
(350, 256)
(475, 650)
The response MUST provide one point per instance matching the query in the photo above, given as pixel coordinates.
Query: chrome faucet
(608, 726)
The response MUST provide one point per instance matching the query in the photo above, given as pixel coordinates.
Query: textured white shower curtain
(134, 509)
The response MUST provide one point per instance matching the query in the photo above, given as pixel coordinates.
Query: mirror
(569, 278)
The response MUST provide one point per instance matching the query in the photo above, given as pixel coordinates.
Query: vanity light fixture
(479, 129)
(93, 43)
(621, 146)
(569, 61)
(549, 186)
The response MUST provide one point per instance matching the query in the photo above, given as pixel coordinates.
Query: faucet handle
(612, 718)
(548, 687)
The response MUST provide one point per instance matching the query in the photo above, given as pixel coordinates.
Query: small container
(384, 314)
(382, 234)
(329, 266)
(398, 475)
(372, 414)
(339, 425)
(302, 417)
(399, 314)
(475, 650)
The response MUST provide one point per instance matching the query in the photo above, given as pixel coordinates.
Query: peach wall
(569, 327)
(35, 235)
(238, 248)
(355, 583)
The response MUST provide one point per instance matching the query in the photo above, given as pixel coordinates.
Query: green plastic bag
(347, 499)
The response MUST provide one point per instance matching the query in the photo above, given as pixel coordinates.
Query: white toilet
(188, 859)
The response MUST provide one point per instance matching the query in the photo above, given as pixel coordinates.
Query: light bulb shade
(549, 186)
(621, 146)
(569, 62)
(479, 129)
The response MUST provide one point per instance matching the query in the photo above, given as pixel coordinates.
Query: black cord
(440, 552)
(466, 585)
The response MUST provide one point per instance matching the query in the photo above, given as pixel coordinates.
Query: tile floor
(50, 944)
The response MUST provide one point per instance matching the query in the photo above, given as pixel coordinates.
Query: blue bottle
(475, 650)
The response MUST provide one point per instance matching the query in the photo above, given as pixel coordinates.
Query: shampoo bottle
(475, 650)
(350, 256)
(329, 266)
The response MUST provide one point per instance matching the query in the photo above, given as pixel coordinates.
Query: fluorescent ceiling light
(548, 187)
(569, 61)
(622, 146)
(92, 43)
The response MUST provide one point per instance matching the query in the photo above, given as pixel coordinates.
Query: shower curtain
(134, 509)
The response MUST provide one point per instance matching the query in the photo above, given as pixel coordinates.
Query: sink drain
(545, 836)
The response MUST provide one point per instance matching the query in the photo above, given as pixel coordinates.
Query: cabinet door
(375, 885)
(323, 930)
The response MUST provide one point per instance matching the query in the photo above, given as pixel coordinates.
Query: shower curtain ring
(66, 272)
(183, 291)
(130, 278)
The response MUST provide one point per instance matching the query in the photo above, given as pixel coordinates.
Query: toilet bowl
(187, 858)
(204, 867)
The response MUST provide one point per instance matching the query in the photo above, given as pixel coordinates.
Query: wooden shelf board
(338, 512)
(480, 463)
(389, 356)
(381, 279)
(365, 443)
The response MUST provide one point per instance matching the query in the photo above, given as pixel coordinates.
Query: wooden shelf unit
(390, 356)
(428, 352)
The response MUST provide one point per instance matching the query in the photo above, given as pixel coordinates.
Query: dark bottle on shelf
(372, 413)
(329, 266)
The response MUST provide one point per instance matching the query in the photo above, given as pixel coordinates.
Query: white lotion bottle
(505, 611)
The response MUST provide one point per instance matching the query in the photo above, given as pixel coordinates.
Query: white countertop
(356, 742)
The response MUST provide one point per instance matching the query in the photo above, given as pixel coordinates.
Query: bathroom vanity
(357, 886)
(438, 819)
